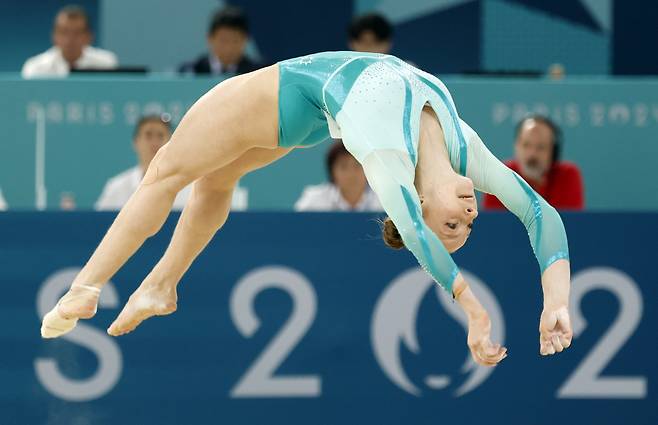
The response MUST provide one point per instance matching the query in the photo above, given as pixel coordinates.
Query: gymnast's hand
(484, 352)
(555, 332)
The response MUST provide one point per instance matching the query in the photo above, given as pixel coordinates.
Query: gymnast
(399, 122)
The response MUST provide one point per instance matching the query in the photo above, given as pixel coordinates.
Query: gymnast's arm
(542, 222)
(390, 175)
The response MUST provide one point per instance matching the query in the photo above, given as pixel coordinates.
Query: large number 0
(259, 380)
(586, 381)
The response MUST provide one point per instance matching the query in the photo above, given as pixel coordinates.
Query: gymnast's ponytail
(391, 235)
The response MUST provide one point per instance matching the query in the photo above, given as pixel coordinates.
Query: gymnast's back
(374, 102)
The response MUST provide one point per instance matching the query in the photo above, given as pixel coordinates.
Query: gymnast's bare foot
(145, 302)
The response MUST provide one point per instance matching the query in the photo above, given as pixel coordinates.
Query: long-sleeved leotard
(374, 103)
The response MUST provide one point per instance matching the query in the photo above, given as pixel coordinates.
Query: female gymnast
(399, 122)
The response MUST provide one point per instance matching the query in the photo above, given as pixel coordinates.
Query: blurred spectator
(67, 201)
(151, 133)
(227, 39)
(556, 71)
(370, 33)
(3, 203)
(71, 49)
(537, 160)
(348, 189)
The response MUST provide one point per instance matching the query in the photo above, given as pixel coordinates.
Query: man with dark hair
(537, 160)
(370, 33)
(72, 37)
(227, 38)
(347, 189)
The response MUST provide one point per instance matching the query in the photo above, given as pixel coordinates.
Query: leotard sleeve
(542, 222)
(391, 176)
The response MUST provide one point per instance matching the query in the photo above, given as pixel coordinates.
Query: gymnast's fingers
(555, 340)
(543, 347)
(480, 359)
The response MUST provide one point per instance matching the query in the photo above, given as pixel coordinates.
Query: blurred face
(368, 42)
(71, 35)
(151, 137)
(450, 212)
(534, 149)
(227, 44)
(348, 175)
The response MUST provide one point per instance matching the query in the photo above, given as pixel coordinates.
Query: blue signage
(308, 318)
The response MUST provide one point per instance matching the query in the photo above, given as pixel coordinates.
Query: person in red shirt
(537, 160)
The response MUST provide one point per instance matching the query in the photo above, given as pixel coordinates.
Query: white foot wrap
(54, 325)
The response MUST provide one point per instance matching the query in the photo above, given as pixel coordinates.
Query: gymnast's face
(450, 212)
(228, 44)
(150, 137)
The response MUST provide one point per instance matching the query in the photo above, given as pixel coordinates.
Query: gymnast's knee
(167, 172)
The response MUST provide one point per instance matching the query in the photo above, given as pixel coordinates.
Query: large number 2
(585, 381)
(259, 380)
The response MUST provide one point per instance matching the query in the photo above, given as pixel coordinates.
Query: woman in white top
(347, 189)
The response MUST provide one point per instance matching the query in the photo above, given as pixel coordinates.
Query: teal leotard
(373, 102)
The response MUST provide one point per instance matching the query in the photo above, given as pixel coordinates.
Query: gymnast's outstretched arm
(545, 230)
(390, 174)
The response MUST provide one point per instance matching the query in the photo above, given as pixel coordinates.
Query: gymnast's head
(448, 210)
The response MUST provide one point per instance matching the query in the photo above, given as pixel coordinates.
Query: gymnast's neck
(433, 169)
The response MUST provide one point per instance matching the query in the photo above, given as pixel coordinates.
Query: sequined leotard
(374, 102)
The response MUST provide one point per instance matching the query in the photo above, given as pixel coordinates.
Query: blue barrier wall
(309, 319)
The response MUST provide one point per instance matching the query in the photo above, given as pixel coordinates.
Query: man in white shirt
(151, 133)
(71, 37)
(348, 189)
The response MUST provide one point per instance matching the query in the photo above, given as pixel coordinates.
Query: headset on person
(555, 129)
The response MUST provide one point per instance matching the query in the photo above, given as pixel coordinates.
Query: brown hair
(73, 11)
(391, 235)
(335, 151)
(164, 119)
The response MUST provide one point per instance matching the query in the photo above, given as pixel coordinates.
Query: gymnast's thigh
(226, 177)
(237, 115)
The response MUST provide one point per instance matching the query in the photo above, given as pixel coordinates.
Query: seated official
(71, 49)
(537, 160)
(227, 40)
(347, 190)
(151, 133)
(372, 33)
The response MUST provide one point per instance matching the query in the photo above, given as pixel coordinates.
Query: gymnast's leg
(211, 135)
(205, 213)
